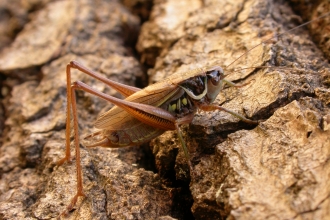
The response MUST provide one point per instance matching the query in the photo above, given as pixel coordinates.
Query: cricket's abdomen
(136, 134)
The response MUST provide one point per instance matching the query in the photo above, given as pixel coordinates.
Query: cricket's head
(204, 86)
(215, 76)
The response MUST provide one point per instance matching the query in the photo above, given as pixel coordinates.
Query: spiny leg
(71, 101)
(216, 107)
(230, 83)
(185, 120)
(80, 192)
(213, 107)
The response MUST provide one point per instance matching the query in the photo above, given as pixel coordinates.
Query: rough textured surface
(220, 189)
(283, 161)
(39, 39)
(319, 30)
(14, 16)
(276, 170)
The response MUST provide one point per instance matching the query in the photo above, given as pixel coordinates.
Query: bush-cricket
(146, 113)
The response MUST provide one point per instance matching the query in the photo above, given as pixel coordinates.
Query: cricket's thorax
(201, 89)
(181, 106)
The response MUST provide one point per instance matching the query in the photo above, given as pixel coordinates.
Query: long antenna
(279, 35)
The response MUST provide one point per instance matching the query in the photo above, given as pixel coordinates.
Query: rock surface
(277, 169)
